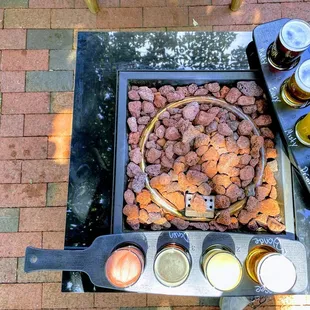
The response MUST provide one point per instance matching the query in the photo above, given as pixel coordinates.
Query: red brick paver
(53, 240)
(22, 195)
(52, 298)
(20, 296)
(23, 148)
(51, 4)
(12, 81)
(12, 125)
(8, 268)
(119, 17)
(120, 299)
(35, 131)
(27, 18)
(12, 38)
(39, 219)
(158, 17)
(23, 60)
(248, 14)
(14, 244)
(10, 171)
(72, 18)
(48, 124)
(25, 103)
(38, 171)
(165, 301)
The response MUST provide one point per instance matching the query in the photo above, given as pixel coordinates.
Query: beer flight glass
(293, 39)
(295, 91)
(302, 130)
(284, 54)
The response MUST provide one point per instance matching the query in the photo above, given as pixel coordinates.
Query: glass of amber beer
(293, 39)
(270, 269)
(295, 91)
(302, 130)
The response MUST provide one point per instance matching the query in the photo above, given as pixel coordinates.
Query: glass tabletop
(99, 57)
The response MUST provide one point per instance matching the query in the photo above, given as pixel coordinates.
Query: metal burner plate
(209, 204)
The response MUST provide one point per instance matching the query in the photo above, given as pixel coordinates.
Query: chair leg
(92, 6)
(235, 5)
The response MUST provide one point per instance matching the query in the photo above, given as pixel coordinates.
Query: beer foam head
(171, 267)
(302, 76)
(295, 35)
(276, 273)
(224, 271)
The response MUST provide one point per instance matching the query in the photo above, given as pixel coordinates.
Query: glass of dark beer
(293, 39)
(295, 91)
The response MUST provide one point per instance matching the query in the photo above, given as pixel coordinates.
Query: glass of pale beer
(221, 268)
(295, 91)
(302, 130)
(293, 39)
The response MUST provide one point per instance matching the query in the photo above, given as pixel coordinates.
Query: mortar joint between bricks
(50, 103)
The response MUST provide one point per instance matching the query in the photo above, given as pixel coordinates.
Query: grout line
(50, 19)
(18, 224)
(26, 39)
(24, 122)
(50, 103)
(46, 206)
(16, 269)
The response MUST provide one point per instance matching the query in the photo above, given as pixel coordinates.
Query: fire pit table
(106, 61)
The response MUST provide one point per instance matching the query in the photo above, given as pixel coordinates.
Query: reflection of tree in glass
(238, 58)
(189, 50)
(100, 55)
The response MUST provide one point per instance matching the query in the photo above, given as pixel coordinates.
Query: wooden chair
(92, 5)
(235, 5)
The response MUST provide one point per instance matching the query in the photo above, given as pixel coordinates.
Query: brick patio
(37, 53)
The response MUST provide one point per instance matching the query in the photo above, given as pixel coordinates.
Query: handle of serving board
(68, 260)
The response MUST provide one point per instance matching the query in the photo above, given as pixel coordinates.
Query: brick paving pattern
(37, 62)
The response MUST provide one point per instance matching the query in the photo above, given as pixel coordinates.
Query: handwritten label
(275, 243)
(181, 235)
(305, 173)
(291, 137)
(262, 289)
(262, 56)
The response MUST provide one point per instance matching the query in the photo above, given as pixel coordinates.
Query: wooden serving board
(92, 260)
